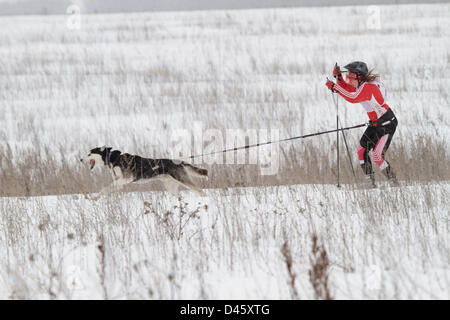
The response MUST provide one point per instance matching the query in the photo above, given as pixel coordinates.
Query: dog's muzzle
(91, 163)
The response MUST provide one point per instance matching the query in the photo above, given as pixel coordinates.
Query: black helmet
(358, 67)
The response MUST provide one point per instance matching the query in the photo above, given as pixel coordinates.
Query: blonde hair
(371, 76)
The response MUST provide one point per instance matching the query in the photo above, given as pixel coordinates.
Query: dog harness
(108, 157)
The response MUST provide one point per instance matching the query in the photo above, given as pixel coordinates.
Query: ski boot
(390, 175)
(370, 181)
(369, 174)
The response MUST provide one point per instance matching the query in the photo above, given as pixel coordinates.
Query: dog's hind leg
(183, 177)
(197, 189)
(186, 179)
(170, 184)
(117, 185)
(192, 186)
(193, 171)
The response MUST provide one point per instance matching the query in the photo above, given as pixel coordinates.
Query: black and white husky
(126, 168)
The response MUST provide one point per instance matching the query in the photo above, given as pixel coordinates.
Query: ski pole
(348, 151)
(337, 140)
(343, 134)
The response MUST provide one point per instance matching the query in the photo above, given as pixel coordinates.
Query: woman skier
(364, 86)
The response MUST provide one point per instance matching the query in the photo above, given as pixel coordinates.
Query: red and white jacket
(371, 95)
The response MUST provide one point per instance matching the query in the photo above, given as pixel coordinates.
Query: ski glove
(337, 72)
(330, 85)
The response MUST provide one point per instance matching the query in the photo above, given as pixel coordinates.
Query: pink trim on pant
(361, 153)
(378, 150)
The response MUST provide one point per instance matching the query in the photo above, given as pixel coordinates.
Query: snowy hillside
(142, 83)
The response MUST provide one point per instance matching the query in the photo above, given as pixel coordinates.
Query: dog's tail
(196, 172)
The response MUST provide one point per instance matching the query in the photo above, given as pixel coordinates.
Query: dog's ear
(103, 148)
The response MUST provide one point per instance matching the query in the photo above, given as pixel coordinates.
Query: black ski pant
(377, 138)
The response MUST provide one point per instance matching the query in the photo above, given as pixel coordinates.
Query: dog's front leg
(105, 190)
(117, 185)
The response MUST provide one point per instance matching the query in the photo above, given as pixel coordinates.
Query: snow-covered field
(133, 81)
(380, 245)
